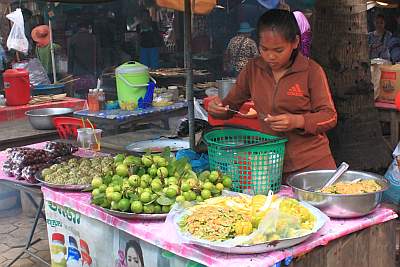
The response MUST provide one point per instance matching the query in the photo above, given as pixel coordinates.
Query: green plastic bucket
(132, 79)
(254, 160)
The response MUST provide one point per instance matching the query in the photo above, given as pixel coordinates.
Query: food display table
(116, 119)
(106, 240)
(155, 234)
(10, 113)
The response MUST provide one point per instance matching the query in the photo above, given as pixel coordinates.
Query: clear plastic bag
(275, 225)
(17, 39)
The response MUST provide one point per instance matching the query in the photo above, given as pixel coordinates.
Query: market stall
(99, 237)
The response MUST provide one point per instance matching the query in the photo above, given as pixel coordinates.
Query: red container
(17, 87)
(252, 123)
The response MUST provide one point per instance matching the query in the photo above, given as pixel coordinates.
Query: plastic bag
(37, 73)
(393, 176)
(199, 112)
(17, 39)
(275, 224)
(198, 161)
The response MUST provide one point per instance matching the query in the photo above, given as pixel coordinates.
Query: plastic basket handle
(135, 85)
(254, 144)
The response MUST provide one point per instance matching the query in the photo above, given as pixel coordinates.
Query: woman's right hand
(216, 109)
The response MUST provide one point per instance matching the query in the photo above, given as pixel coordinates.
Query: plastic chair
(67, 126)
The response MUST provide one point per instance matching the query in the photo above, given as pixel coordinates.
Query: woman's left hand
(285, 122)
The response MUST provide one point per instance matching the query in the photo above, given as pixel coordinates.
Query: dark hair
(135, 245)
(281, 21)
(380, 16)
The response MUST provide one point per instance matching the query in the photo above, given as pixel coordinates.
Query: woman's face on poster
(132, 258)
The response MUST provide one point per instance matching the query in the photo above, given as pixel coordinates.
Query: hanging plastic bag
(17, 39)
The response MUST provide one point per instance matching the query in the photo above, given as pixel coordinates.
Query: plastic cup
(95, 139)
(84, 136)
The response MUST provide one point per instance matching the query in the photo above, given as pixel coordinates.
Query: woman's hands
(216, 109)
(285, 122)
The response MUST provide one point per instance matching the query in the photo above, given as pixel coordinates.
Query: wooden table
(389, 113)
(20, 132)
(11, 113)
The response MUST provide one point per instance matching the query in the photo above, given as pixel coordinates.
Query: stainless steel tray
(129, 215)
(259, 248)
(66, 187)
(158, 145)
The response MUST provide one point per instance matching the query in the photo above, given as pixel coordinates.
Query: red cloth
(17, 112)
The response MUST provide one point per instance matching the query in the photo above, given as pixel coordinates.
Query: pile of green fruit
(78, 171)
(152, 183)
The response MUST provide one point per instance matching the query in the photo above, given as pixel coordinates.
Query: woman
(240, 49)
(378, 40)
(290, 93)
(150, 41)
(133, 254)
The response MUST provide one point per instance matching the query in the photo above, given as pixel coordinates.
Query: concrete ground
(14, 232)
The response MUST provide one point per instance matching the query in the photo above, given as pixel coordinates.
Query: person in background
(305, 33)
(240, 49)
(290, 93)
(150, 41)
(394, 42)
(378, 40)
(82, 59)
(41, 36)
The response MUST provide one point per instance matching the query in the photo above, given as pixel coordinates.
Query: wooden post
(189, 71)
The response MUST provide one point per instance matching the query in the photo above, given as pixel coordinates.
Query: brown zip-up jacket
(303, 89)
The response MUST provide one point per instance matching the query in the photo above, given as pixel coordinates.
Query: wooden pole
(189, 72)
(53, 62)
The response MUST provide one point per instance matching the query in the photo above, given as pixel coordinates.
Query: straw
(94, 133)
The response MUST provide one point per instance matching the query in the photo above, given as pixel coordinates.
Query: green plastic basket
(254, 160)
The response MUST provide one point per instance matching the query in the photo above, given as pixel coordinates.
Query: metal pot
(224, 86)
(42, 119)
(335, 205)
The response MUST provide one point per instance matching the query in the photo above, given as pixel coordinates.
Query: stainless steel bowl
(42, 119)
(335, 205)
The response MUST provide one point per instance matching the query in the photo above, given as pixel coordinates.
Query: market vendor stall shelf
(18, 112)
(116, 120)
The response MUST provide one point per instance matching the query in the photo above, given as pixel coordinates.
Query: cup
(95, 139)
(83, 137)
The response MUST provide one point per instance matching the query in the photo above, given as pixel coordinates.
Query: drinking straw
(94, 133)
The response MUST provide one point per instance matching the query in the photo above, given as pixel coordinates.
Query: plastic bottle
(74, 256)
(102, 99)
(90, 99)
(95, 100)
(58, 250)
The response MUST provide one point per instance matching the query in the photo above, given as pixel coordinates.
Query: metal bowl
(42, 119)
(337, 205)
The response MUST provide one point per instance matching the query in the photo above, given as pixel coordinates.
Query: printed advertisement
(76, 240)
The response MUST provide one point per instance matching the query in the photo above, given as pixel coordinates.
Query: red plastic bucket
(17, 87)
